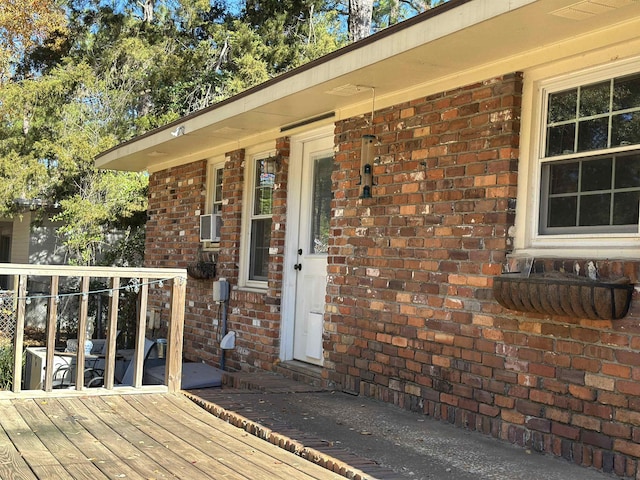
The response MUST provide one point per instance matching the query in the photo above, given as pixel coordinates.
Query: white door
(311, 254)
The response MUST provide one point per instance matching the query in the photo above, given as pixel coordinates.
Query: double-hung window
(214, 200)
(589, 156)
(216, 191)
(261, 205)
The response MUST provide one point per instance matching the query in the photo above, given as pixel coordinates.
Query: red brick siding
(254, 316)
(232, 191)
(411, 316)
(176, 199)
(176, 195)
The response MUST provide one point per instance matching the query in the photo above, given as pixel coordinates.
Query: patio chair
(64, 376)
(127, 377)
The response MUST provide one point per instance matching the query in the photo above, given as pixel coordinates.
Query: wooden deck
(147, 436)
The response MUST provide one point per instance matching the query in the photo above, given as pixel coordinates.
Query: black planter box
(564, 295)
(202, 270)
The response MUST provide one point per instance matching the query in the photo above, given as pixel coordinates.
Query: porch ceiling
(467, 41)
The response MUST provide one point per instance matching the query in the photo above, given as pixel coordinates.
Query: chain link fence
(7, 313)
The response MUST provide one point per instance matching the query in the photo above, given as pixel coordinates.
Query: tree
(23, 25)
(53, 128)
(360, 16)
(365, 16)
(119, 70)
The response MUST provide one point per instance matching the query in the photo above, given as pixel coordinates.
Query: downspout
(225, 304)
(221, 295)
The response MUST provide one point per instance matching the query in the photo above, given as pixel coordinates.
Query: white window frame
(215, 167)
(216, 173)
(251, 158)
(527, 239)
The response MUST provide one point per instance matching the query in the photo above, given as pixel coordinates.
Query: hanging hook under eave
(373, 100)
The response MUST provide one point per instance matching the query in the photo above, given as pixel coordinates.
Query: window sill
(251, 289)
(628, 250)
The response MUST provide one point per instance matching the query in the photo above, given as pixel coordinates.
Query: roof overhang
(462, 41)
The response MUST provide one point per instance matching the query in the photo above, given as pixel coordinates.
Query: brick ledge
(279, 440)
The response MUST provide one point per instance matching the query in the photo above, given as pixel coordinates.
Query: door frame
(294, 190)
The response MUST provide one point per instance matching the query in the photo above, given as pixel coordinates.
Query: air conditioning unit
(210, 227)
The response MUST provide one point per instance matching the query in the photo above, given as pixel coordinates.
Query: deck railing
(171, 281)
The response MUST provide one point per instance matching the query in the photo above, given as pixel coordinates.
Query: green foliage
(102, 207)
(6, 363)
(390, 12)
(117, 70)
(55, 125)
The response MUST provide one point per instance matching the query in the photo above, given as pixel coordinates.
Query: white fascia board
(439, 26)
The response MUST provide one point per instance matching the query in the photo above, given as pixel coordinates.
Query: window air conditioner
(210, 227)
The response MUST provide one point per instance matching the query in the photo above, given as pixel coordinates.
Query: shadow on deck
(146, 436)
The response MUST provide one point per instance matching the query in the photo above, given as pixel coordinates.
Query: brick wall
(411, 316)
(253, 315)
(176, 199)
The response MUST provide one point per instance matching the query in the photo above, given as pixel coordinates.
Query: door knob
(297, 266)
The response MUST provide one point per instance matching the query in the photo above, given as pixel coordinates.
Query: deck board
(233, 451)
(146, 436)
(92, 448)
(224, 428)
(130, 455)
(12, 465)
(161, 445)
(34, 452)
(215, 457)
(58, 444)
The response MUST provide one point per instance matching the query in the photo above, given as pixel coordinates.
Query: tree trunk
(394, 12)
(147, 10)
(360, 14)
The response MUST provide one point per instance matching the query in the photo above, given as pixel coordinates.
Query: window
(214, 201)
(321, 204)
(590, 157)
(260, 218)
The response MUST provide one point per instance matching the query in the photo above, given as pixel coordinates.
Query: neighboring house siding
(20, 238)
(45, 247)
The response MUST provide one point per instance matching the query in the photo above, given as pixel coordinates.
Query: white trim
(301, 94)
(251, 155)
(213, 164)
(294, 191)
(527, 240)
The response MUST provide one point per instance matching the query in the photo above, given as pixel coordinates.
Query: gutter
(431, 13)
